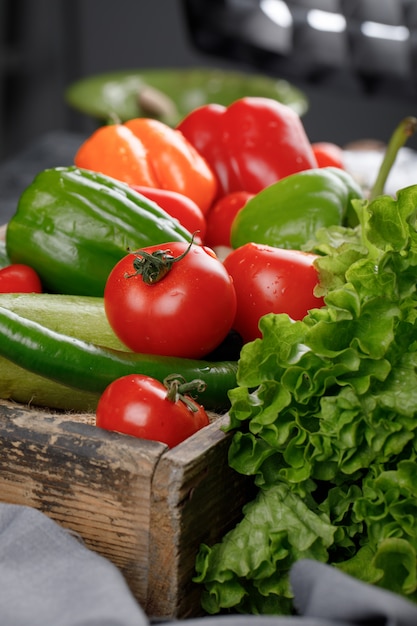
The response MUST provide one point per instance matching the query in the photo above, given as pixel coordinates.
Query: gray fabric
(325, 592)
(49, 578)
(252, 620)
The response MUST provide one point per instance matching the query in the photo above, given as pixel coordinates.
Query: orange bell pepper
(149, 153)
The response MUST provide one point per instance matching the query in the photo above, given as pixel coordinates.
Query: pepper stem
(405, 129)
(179, 389)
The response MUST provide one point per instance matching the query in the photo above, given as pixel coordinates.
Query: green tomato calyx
(154, 266)
(179, 389)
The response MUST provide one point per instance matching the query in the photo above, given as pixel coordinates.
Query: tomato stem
(154, 266)
(179, 389)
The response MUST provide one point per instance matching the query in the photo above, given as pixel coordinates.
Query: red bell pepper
(250, 144)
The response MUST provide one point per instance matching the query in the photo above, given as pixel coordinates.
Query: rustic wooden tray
(141, 505)
(145, 507)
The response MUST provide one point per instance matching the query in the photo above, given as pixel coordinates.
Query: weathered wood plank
(91, 481)
(143, 506)
(195, 499)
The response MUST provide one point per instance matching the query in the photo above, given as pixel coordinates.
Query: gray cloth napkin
(49, 578)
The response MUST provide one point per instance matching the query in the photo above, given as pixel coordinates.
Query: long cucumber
(4, 257)
(21, 386)
(77, 316)
(88, 367)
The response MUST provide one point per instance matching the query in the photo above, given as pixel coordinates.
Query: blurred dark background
(358, 86)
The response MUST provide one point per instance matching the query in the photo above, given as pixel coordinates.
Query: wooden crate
(143, 506)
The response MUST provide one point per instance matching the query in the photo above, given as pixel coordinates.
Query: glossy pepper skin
(72, 226)
(178, 206)
(250, 144)
(147, 152)
(288, 213)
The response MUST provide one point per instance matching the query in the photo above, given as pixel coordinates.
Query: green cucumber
(77, 316)
(88, 367)
(4, 257)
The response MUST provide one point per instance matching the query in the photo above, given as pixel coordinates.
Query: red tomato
(186, 314)
(270, 280)
(138, 405)
(221, 216)
(185, 210)
(19, 278)
(328, 154)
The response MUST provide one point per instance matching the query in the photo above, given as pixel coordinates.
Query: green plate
(170, 94)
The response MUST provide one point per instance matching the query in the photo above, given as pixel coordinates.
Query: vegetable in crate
(220, 218)
(72, 226)
(147, 152)
(19, 278)
(4, 259)
(86, 366)
(173, 299)
(178, 206)
(325, 419)
(82, 317)
(250, 144)
(288, 213)
(144, 407)
(271, 280)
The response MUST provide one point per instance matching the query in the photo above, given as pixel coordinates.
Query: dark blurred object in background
(359, 84)
(38, 56)
(356, 60)
(368, 42)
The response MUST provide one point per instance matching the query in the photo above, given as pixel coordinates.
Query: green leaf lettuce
(325, 419)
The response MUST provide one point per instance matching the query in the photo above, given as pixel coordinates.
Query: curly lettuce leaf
(325, 411)
(246, 570)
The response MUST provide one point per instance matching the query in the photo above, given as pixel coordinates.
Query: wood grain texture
(141, 505)
(95, 483)
(195, 499)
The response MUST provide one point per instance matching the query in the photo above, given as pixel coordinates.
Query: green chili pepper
(287, 214)
(72, 226)
(88, 367)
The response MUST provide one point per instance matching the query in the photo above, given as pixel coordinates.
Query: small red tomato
(171, 299)
(185, 210)
(19, 278)
(270, 280)
(221, 216)
(328, 154)
(139, 405)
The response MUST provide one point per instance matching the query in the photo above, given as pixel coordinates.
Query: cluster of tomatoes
(181, 300)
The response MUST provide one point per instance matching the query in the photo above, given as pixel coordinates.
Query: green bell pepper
(287, 214)
(72, 226)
